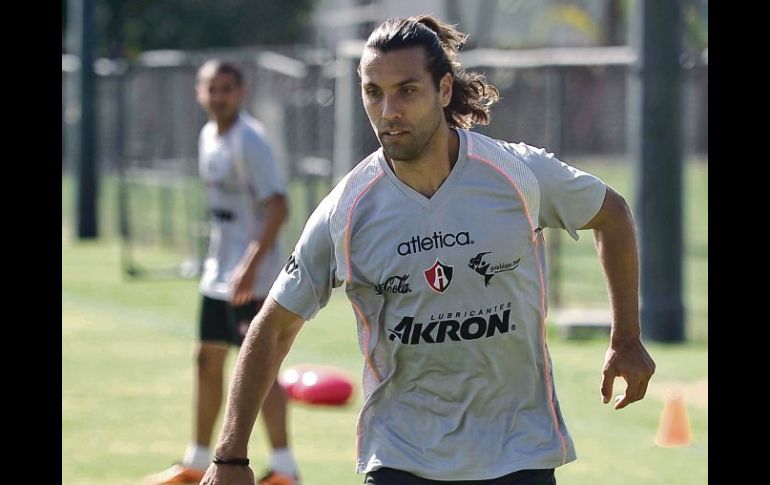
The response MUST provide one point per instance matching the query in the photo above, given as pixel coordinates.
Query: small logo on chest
(439, 276)
(394, 284)
(486, 270)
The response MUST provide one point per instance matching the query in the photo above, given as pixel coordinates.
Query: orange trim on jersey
(359, 313)
(538, 262)
(368, 360)
(350, 220)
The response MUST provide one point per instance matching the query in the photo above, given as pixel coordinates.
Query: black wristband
(231, 461)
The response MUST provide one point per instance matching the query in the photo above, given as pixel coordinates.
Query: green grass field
(583, 283)
(127, 367)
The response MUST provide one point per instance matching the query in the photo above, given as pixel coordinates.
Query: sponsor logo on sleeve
(291, 264)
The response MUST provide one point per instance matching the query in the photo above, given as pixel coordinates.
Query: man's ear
(445, 88)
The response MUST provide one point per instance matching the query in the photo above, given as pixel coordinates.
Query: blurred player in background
(247, 204)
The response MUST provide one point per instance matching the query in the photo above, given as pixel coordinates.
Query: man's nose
(391, 109)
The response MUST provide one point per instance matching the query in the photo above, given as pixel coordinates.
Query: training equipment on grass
(674, 428)
(316, 384)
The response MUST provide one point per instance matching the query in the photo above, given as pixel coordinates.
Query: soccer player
(437, 239)
(247, 202)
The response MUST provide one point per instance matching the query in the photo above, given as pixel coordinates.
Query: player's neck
(426, 174)
(224, 124)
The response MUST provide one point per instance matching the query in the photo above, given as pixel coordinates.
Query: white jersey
(449, 294)
(240, 173)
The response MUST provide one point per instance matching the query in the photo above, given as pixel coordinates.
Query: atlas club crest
(439, 276)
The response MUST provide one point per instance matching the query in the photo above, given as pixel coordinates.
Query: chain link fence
(147, 128)
(571, 101)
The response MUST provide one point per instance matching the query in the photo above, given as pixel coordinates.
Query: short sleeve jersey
(240, 173)
(449, 294)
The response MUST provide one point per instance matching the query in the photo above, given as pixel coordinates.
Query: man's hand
(228, 475)
(243, 283)
(630, 361)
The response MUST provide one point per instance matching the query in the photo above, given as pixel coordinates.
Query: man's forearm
(616, 245)
(626, 356)
(267, 342)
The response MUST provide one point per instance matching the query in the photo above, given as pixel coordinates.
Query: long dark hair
(472, 95)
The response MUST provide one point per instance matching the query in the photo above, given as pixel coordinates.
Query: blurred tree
(63, 23)
(696, 21)
(127, 27)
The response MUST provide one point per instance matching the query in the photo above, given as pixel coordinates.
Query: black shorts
(222, 322)
(389, 476)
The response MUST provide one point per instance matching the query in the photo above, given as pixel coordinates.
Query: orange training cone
(674, 428)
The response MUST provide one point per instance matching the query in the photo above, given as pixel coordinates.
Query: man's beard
(407, 152)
